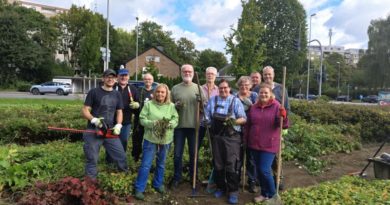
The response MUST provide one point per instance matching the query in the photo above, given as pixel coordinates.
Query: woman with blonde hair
(159, 117)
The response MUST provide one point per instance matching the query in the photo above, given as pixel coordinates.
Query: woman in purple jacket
(262, 136)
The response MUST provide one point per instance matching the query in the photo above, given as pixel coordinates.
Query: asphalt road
(46, 96)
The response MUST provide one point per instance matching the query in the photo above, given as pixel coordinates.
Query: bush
(22, 86)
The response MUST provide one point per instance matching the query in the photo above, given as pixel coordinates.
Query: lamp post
(308, 62)
(338, 80)
(136, 52)
(108, 36)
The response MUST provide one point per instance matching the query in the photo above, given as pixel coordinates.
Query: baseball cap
(123, 72)
(109, 72)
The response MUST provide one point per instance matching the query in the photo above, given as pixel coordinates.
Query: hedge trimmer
(107, 133)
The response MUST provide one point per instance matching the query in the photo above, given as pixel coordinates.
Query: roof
(158, 51)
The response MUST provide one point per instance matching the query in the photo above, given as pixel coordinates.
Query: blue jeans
(264, 171)
(124, 138)
(113, 147)
(179, 137)
(149, 151)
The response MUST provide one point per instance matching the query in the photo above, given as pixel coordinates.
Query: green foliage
(90, 44)
(209, 58)
(27, 45)
(347, 190)
(28, 123)
(22, 166)
(244, 44)
(370, 123)
(308, 141)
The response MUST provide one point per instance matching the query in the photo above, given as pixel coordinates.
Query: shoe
(160, 190)
(260, 198)
(219, 193)
(252, 188)
(173, 184)
(233, 199)
(139, 195)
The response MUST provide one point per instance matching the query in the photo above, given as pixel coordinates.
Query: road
(46, 96)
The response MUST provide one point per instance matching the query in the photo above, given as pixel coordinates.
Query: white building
(351, 55)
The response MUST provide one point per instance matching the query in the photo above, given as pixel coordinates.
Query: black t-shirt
(104, 104)
(144, 95)
(127, 112)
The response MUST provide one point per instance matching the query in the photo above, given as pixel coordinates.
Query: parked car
(300, 96)
(51, 87)
(344, 98)
(370, 99)
(141, 84)
(384, 98)
(312, 97)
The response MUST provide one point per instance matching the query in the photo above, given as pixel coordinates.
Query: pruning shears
(106, 133)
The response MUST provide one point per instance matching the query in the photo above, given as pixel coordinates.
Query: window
(152, 58)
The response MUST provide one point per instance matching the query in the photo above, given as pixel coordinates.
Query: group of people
(246, 123)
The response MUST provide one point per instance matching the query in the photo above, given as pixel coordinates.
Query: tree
(27, 45)
(186, 51)
(284, 23)
(209, 58)
(89, 47)
(377, 62)
(123, 47)
(244, 44)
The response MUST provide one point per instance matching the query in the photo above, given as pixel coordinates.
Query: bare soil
(340, 164)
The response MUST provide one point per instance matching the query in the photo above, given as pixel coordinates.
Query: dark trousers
(137, 138)
(250, 166)
(179, 139)
(226, 152)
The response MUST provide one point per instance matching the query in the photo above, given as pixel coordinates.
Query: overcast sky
(205, 22)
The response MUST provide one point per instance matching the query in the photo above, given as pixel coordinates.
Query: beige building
(165, 65)
(46, 10)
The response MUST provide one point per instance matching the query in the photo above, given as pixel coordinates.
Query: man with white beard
(185, 95)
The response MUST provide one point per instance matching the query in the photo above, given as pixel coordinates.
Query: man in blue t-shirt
(102, 108)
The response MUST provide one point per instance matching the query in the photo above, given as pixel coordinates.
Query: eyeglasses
(221, 88)
(110, 77)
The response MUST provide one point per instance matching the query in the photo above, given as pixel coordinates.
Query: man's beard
(187, 79)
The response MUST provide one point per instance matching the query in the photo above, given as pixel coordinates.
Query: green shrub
(23, 86)
(347, 190)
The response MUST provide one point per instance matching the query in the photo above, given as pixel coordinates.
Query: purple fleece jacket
(262, 129)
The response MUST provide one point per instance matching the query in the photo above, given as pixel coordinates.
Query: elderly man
(185, 96)
(256, 80)
(103, 108)
(145, 94)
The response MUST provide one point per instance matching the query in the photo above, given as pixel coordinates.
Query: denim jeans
(149, 151)
(179, 137)
(264, 171)
(124, 138)
(113, 147)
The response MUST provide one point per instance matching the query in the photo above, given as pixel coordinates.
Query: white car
(51, 87)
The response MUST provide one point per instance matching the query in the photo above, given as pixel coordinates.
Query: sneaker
(219, 193)
(160, 190)
(139, 195)
(260, 198)
(233, 199)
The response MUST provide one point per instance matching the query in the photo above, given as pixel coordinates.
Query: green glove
(98, 122)
(284, 132)
(230, 122)
(117, 129)
(134, 105)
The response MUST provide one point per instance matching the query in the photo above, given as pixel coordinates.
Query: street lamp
(136, 53)
(338, 80)
(108, 36)
(308, 62)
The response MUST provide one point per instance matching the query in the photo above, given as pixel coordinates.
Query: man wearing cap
(130, 106)
(103, 108)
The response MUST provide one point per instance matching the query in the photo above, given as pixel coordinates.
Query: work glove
(98, 122)
(134, 105)
(284, 132)
(230, 122)
(117, 129)
(282, 112)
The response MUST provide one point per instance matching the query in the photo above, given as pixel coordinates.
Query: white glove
(134, 105)
(117, 129)
(97, 122)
